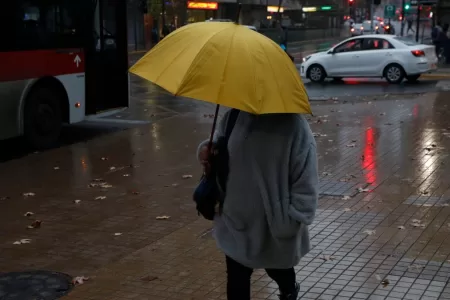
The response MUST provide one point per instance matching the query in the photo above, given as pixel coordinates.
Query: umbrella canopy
(226, 64)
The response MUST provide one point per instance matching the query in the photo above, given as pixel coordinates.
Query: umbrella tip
(238, 13)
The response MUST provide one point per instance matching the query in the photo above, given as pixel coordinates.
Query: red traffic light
(350, 2)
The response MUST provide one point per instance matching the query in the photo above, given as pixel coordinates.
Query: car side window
(353, 45)
(376, 44)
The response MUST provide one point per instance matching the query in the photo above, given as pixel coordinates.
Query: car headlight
(306, 58)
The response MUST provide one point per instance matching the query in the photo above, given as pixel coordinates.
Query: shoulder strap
(234, 113)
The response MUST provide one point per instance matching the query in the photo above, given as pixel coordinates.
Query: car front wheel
(394, 73)
(316, 73)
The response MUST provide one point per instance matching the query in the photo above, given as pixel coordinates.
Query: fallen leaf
(385, 282)
(401, 227)
(327, 258)
(100, 198)
(126, 175)
(363, 190)
(104, 158)
(28, 214)
(36, 224)
(55, 168)
(149, 278)
(162, 218)
(117, 233)
(424, 192)
(415, 267)
(79, 280)
(112, 168)
(346, 198)
(22, 241)
(351, 145)
(76, 201)
(186, 176)
(369, 232)
(29, 194)
(105, 186)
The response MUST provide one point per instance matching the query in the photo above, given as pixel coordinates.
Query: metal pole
(403, 18)
(418, 22)
(371, 16)
(163, 19)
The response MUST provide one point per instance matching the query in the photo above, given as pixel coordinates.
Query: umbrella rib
(273, 70)
(226, 64)
(191, 68)
(254, 74)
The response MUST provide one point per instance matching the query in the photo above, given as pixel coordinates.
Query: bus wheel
(42, 118)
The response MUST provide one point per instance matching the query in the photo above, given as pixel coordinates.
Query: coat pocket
(281, 224)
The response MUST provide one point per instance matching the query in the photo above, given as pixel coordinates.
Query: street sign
(389, 11)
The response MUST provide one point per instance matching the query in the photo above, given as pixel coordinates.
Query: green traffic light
(407, 6)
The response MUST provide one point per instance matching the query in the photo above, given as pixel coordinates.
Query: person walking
(436, 37)
(271, 198)
(409, 22)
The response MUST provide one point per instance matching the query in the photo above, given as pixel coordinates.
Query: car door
(377, 50)
(343, 60)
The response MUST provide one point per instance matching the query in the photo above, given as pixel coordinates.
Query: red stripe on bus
(20, 65)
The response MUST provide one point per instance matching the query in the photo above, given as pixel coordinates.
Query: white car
(377, 55)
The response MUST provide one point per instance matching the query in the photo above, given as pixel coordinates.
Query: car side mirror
(331, 52)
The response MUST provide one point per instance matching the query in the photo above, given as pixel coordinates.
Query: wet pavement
(352, 87)
(116, 208)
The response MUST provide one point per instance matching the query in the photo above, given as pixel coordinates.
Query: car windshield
(406, 41)
(366, 25)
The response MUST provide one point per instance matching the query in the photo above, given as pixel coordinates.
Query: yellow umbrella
(226, 64)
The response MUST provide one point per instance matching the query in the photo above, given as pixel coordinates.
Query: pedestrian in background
(409, 21)
(436, 34)
(271, 198)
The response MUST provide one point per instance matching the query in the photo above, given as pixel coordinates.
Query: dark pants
(437, 47)
(238, 286)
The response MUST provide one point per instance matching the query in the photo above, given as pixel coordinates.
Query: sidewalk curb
(436, 75)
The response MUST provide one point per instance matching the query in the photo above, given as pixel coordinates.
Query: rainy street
(114, 202)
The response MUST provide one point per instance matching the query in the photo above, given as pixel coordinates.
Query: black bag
(212, 187)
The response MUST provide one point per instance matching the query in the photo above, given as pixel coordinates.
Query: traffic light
(407, 6)
(350, 2)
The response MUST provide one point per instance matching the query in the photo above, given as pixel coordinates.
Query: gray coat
(272, 190)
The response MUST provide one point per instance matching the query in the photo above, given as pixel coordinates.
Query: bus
(60, 61)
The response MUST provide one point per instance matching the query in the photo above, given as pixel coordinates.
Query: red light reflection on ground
(368, 159)
(415, 111)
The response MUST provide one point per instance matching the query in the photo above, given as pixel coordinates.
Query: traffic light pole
(403, 18)
(418, 22)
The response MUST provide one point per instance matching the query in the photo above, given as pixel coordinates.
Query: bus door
(107, 58)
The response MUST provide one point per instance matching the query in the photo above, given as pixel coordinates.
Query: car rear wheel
(394, 73)
(42, 118)
(412, 78)
(316, 73)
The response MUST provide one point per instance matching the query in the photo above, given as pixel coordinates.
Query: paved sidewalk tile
(381, 230)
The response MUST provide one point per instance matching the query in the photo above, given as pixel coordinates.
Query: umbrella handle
(210, 144)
